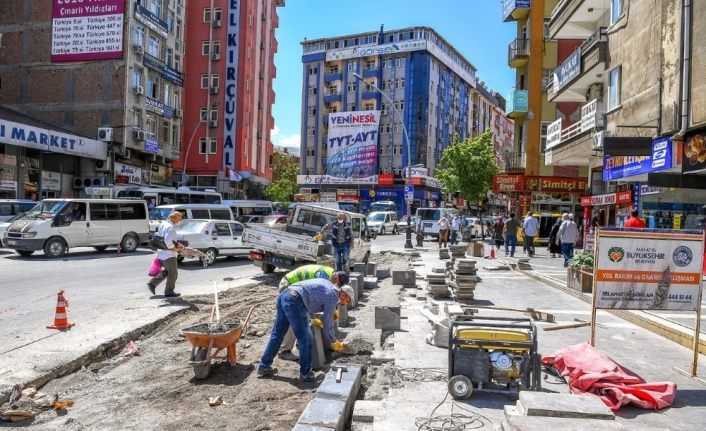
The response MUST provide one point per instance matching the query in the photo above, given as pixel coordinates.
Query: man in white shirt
(530, 227)
(168, 257)
(455, 229)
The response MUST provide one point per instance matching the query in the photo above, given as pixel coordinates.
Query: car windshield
(191, 226)
(429, 214)
(270, 220)
(376, 217)
(160, 213)
(47, 208)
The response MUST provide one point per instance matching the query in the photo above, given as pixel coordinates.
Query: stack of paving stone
(523, 263)
(458, 250)
(464, 279)
(438, 285)
(444, 253)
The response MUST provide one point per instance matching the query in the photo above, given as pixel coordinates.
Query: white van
(189, 211)
(430, 216)
(242, 208)
(56, 225)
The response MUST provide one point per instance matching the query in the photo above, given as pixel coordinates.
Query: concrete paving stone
(371, 283)
(361, 268)
(403, 278)
(346, 390)
(382, 357)
(371, 269)
(300, 427)
(362, 426)
(366, 410)
(542, 423)
(387, 318)
(563, 405)
(324, 413)
(343, 316)
(383, 272)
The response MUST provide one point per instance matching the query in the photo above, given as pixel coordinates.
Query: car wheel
(100, 247)
(268, 268)
(24, 253)
(55, 247)
(128, 244)
(211, 254)
(382, 230)
(180, 258)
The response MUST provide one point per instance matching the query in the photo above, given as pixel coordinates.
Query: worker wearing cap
(306, 272)
(294, 305)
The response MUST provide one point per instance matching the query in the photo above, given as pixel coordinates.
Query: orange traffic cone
(118, 249)
(61, 321)
(492, 253)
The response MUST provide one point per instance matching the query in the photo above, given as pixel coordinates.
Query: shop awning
(627, 146)
(662, 179)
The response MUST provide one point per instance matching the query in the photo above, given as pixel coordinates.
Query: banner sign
(568, 70)
(553, 134)
(508, 183)
(231, 85)
(51, 181)
(648, 269)
(87, 31)
(38, 138)
(619, 198)
(615, 167)
(386, 179)
(352, 143)
(694, 154)
(127, 174)
(152, 21)
(168, 73)
(328, 179)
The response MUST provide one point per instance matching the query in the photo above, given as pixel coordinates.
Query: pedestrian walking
(498, 232)
(510, 231)
(294, 306)
(342, 241)
(168, 256)
(444, 226)
(568, 234)
(554, 243)
(530, 227)
(455, 229)
(420, 232)
(635, 221)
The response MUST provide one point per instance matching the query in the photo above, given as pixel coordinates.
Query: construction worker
(294, 306)
(306, 272)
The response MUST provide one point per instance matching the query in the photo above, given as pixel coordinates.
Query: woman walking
(497, 230)
(554, 245)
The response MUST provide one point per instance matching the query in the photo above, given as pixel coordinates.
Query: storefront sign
(559, 184)
(328, 179)
(327, 197)
(418, 172)
(352, 143)
(347, 197)
(615, 167)
(166, 72)
(373, 50)
(38, 138)
(649, 269)
(677, 221)
(84, 31)
(348, 192)
(230, 126)
(508, 183)
(151, 146)
(568, 70)
(694, 154)
(150, 20)
(623, 198)
(163, 175)
(158, 107)
(647, 190)
(554, 134)
(51, 181)
(384, 195)
(386, 179)
(619, 198)
(127, 174)
(8, 185)
(525, 202)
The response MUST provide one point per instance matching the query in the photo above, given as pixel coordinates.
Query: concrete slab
(404, 278)
(387, 318)
(383, 273)
(361, 268)
(371, 269)
(346, 390)
(371, 283)
(541, 423)
(563, 405)
(324, 413)
(299, 427)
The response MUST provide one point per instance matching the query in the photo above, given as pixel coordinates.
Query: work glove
(338, 346)
(317, 322)
(336, 315)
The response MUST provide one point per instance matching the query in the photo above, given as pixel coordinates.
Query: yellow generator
(493, 354)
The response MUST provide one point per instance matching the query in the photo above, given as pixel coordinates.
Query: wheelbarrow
(205, 338)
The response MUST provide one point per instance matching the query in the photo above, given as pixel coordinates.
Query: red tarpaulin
(588, 370)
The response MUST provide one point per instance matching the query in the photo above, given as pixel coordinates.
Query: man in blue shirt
(294, 306)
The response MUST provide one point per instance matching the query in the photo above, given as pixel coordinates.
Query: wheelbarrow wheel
(201, 370)
(460, 387)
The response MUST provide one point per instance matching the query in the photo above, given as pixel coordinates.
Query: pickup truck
(306, 239)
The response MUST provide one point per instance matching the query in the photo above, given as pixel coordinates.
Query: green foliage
(284, 172)
(468, 167)
(581, 259)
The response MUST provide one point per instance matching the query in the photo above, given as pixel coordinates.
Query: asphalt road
(107, 297)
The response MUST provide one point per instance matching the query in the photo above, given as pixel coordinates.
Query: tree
(468, 167)
(284, 174)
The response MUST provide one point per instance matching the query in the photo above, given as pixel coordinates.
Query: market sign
(648, 269)
(615, 167)
(83, 31)
(38, 138)
(508, 183)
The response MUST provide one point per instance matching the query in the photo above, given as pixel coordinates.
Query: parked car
(213, 237)
(189, 211)
(383, 221)
(277, 221)
(403, 222)
(249, 219)
(9, 208)
(5, 224)
(429, 218)
(474, 227)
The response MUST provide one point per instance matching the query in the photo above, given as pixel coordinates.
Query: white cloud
(284, 140)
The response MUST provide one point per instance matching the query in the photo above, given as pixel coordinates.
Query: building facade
(430, 93)
(228, 114)
(110, 73)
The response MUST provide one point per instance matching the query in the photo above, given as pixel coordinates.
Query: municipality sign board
(352, 143)
(307, 180)
(648, 269)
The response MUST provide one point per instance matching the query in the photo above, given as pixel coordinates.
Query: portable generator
(493, 354)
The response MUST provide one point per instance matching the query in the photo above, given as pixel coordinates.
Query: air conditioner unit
(177, 113)
(78, 183)
(97, 181)
(383, 112)
(104, 165)
(138, 135)
(598, 138)
(127, 154)
(139, 89)
(215, 56)
(138, 49)
(214, 90)
(216, 22)
(213, 124)
(105, 134)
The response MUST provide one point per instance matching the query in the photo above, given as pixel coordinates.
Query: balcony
(572, 79)
(576, 19)
(574, 144)
(331, 96)
(518, 53)
(514, 10)
(369, 95)
(513, 163)
(335, 76)
(370, 73)
(518, 105)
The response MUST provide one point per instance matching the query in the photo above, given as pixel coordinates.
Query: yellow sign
(677, 221)
(371, 193)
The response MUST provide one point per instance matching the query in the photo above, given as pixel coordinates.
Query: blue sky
(473, 27)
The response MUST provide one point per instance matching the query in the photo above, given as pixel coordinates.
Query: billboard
(352, 144)
(616, 167)
(87, 31)
(648, 269)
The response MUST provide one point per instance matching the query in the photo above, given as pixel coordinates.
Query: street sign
(409, 193)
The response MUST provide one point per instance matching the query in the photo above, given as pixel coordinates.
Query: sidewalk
(647, 354)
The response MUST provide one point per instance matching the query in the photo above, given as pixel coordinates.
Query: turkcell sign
(569, 69)
(231, 85)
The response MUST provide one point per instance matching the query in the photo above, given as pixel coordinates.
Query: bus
(156, 196)
(248, 207)
(429, 218)
(383, 206)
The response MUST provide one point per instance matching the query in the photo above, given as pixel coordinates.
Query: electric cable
(469, 420)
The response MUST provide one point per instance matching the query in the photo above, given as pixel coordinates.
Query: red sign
(414, 181)
(386, 179)
(559, 184)
(525, 202)
(355, 198)
(508, 183)
(122, 179)
(622, 198)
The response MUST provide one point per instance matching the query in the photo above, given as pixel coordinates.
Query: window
(369, 106)
(137, 77)
(177, 62)
(313, 70)
(350, 87)
(370, 64)
(212, 146)
(165, 131)
(399, 83)
(207, 15)
(202, 146)
(217, 14)
(216, 47)
(215, 80)
(156, 8)
(351, 107)
(312, 111)
(132, 211)
(205, 48)
(139, 35)
(203, 113)
(104, 212)
(399, 62)
(310, 131)
(312, 90)
(214, 115)
(151, 126)
(352, 66)
(616, 10)
(154, 47)
(614, 89)
(200, 213)
(152, 88)
(237, 229)
(204, 81)
(333, 69)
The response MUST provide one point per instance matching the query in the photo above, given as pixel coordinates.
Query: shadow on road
(79, 255)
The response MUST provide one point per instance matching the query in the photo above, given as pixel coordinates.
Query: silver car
(213, 237)
(382, 222)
